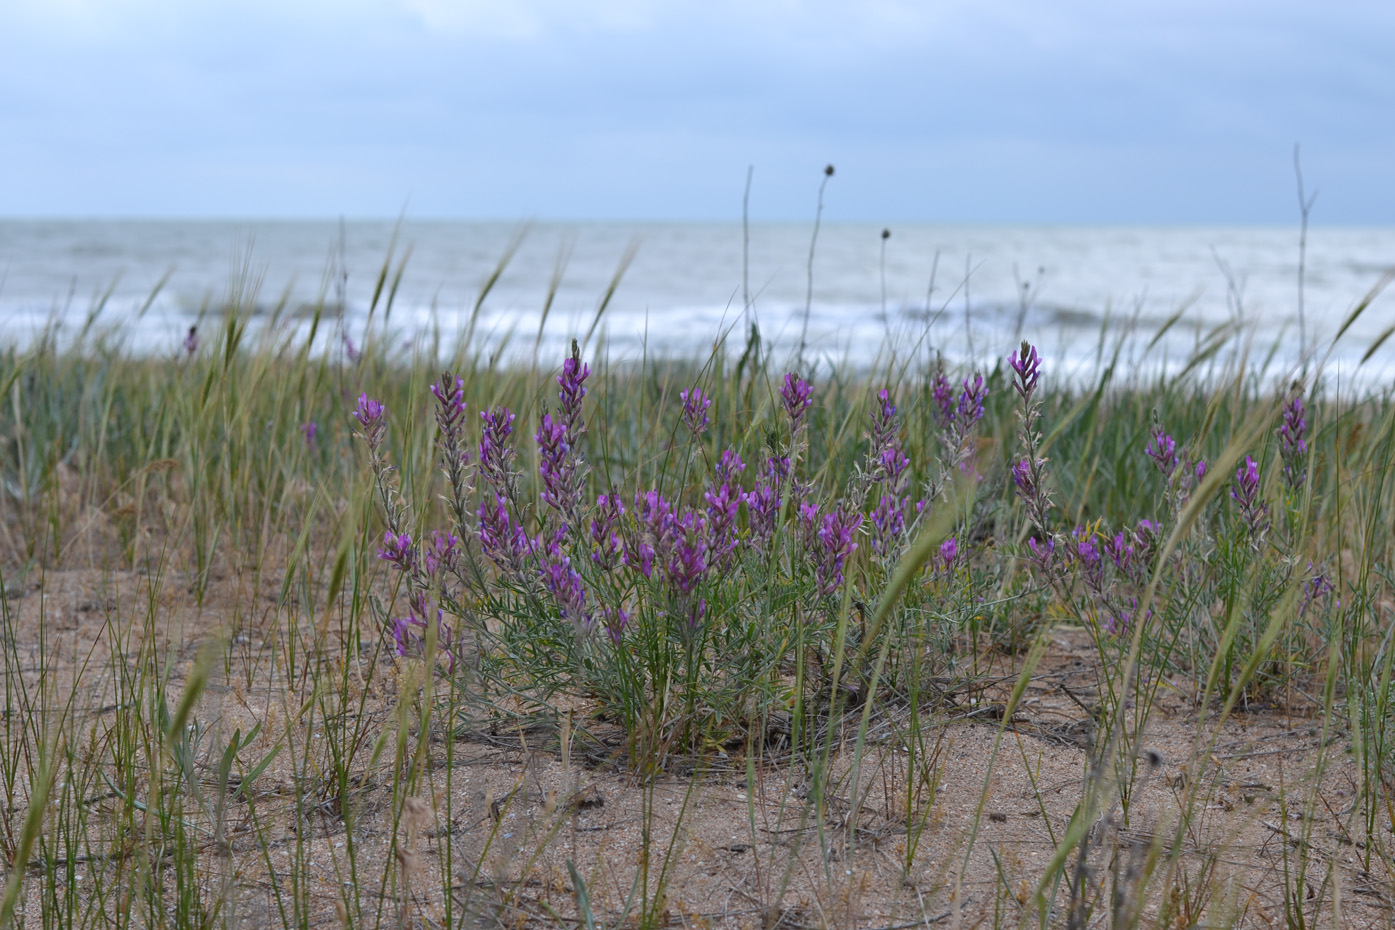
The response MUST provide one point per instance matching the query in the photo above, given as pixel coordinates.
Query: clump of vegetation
(313, 583)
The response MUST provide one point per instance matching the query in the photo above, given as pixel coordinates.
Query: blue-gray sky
(1154, 111)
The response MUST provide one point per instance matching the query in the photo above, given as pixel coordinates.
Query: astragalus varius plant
(1232, 600)
(690, 597)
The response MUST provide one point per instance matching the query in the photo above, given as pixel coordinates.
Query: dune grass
(691, 566)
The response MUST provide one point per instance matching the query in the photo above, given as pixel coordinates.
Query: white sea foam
(685, 284)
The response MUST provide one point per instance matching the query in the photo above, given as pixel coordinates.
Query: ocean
(962, 291)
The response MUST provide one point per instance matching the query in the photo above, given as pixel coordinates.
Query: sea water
(848, 294)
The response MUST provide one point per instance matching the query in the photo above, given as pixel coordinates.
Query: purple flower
(615, 620)
(764, 500)
(506, 544)
(450, 402)
(351, 350)
(695, 410)
(807, 515)
(371, 416)
(687, 561)
(890, 465)
(886, 410)
(574, 372)
(656, 528)
(1246, 487)
(1043, 553)
(441, 552)
(495, 453)
(1245, 492)
(565, 585)
(729, 466)
(1086, 554)
(1162, 449)
(191, 341)
(607, 546)
(696, 611)
(1121, 551)
(1118, 623)
(943, 395)
(949, 552)
(1022, 479)
(1026, 367)
(723, 509)
(1317, 587)
(836, 538)
(888, 523)
(796, 395)
(1293, 447)
(397, 549)
(1200, 470)
(404, 634)
(555, 465)
(311, 429)
(882, 433)
(409, 632)
(764, 503)
(971, 401)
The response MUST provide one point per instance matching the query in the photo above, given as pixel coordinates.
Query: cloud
(648, 107)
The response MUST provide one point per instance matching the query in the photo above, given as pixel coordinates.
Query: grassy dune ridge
(229, 699)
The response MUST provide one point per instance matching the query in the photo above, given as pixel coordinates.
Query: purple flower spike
(723, 509)
(311, 429)
(1043, 553)
(695, 410)
(191, 341)
(971, 401)
(949, 552)
(888, 523)
(729, 466)
(397, 549)
(1087, 555)
(506, 544)
(554, 466)
(450, 401)
(442, 551)
(1026, 367)
(883, 431)
(607, 546)
(405, 635)
(943, 395)
(688, 559)
(574, 372)
(1293, 447)
(495, 452)
(764, 499)
(370, 415)
(1022, 479)
(837, 541)
(656, 521)
(615, 620)
(891, 464)
(1162, 449)
(1246, 482)
(565, 585)
(351, 351)
(1317, 587)
(1118, 624)
(808, 516)
(409, 633)
(796, 395)
(1245, 492)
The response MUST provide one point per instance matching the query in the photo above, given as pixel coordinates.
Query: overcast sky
(958, 111)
